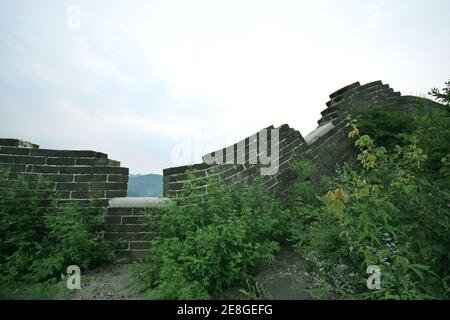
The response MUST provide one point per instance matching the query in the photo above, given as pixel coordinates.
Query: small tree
(442, 96)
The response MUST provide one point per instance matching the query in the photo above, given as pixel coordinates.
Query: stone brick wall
(76, 175)
(291, 145)
(327, 147)
(129, 224)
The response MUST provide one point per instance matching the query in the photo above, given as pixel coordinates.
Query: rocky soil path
(112, 282)
(287, 279)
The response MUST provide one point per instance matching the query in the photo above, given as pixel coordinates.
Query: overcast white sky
(157, 84)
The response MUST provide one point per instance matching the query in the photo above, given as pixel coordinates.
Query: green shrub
(443, 95)
(430, 127)
(386, 126)
(208, 247)
(38, 239)
(389, 213)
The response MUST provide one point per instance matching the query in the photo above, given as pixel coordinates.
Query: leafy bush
(38, 238)
(388, 213)
(208, 247)
(387, 127)
(442, 96)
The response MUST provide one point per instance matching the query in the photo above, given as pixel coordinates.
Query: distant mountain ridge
(145, 185)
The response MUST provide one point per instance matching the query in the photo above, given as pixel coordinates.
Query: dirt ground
(112, 282)
(287, 279)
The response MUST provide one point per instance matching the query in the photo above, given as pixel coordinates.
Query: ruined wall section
(327, 147)
(335, 148)
(238, 169)
(77, 175)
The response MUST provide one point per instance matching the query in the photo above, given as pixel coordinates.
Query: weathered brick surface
(115, 194)
(91, 178)
(78, 175)
(133, 228)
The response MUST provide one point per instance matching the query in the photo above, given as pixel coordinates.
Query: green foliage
(390, 128)
(254, 290)
(433, 137)
(386, 126)
(39, 239)
(208, 247)
(442, 96)
(388, 213)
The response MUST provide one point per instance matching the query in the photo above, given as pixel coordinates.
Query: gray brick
(101, 202)
(110, 170)
(72, 186)
(64, 194)
(15, 151)
(126, 228)
(42, 169)
(132, 255)
(101, 155)
(116, 194)
(140, 245)
(133, 220)
(67, 202)
(87, 194)
(113, 220)
(12, 167)
(96, 162)
(112, 236)
(22, 159)
(9, 142)
(117, 178)
(129, 236)
(76, 170)
(106, 162)
(122, 245)
(120, 211)
(85, 161)
(108, 186)
(58, 177)
(61, 161)
(90, 178)
(62, 153)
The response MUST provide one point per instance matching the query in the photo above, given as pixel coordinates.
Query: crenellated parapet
(77, 175)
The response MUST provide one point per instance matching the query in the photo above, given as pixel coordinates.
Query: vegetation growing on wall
(388, 213)
(391, 210)
(206, 248)
(39, 240)
(430, 129)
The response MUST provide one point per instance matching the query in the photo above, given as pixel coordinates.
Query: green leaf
(364, 192)
(338, 207)
(409, 188)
